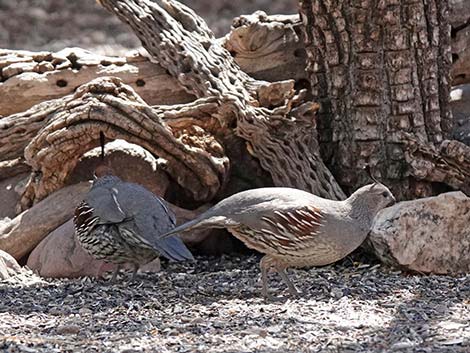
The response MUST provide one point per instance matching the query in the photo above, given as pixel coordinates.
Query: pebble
(69, 329)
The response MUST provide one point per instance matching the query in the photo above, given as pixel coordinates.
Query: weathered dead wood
(266, 47)
(459, 16)
(28, 78)
(53, 135)
(448, 163)
(20, 235)
(12, 167)
(382, 73)
(282, 137)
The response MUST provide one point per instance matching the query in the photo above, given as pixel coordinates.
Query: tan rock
(8, 265)
(430, 235)
(8, 196)
(130, 162)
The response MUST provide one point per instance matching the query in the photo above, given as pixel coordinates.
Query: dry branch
(282, 137)
(55, 134)
(28, 78)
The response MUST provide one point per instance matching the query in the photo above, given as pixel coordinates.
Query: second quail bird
(294, 228)
(120, 222)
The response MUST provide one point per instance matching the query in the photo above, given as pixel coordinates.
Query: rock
(131, 163)
(70, 329)
(430, 235)
(60, 255)
(8, 196)
(8, 266)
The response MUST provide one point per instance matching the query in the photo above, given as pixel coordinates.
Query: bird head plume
(371, 198)
(103, 168)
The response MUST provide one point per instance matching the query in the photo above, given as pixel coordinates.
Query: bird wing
(105, 204)
(291, 227)
(152, 218)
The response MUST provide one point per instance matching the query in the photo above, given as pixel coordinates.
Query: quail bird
(294, 228)
(120, 222)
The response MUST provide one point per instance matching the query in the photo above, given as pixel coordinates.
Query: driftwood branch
(181, 42)
(28, 78)
(55, 134)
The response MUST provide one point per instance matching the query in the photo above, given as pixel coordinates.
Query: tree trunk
(381, 72)
(460, 21)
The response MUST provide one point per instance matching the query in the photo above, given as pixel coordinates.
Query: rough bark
(381, 71)
(460, 21)
(55, 134)
(28, 78)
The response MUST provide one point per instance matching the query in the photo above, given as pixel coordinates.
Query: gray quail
(294, 228)
(120, 222)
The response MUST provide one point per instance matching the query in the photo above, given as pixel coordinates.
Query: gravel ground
(214, 306)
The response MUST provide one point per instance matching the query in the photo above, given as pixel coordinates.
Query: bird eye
(385, 194)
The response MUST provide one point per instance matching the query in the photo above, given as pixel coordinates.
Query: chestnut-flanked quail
(295, 228)
(120, 222)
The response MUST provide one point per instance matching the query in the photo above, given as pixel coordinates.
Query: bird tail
(174, 249)
(204, 221)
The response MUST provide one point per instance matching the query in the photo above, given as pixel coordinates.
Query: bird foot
(272, 298)
(292, 294)
(296, 293)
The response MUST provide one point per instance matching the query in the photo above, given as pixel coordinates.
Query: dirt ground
(214, 305)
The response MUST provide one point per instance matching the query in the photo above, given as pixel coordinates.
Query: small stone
(85, 311)
(402, 345)
(337, 293)
(44, 66)
(70, 329)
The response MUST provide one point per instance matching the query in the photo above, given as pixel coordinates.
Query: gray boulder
(430, 235)
(8, 266)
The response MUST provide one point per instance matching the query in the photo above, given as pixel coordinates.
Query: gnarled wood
(183, 44)
(381, 72)
(55, 134)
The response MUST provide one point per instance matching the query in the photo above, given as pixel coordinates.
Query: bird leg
(264, 279)
(116, 271)
(292, 289)
(134, 272)
(265, 265)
